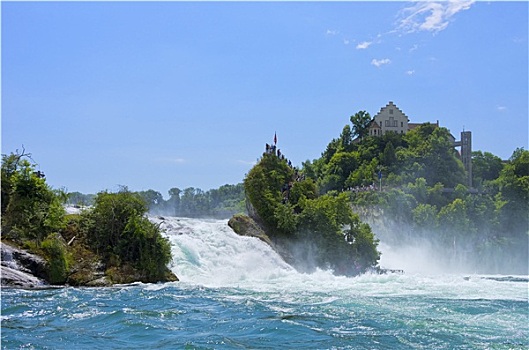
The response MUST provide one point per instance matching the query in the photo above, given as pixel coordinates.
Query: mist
(425, 252)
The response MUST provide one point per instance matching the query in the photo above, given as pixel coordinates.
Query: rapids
(237, 293)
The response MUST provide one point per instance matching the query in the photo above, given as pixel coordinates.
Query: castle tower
(466, 154)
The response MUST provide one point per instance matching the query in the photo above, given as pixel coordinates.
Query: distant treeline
(222, 202)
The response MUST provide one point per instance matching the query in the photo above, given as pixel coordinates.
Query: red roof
(374, 125)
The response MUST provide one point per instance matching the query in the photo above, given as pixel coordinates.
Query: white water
(210, 254)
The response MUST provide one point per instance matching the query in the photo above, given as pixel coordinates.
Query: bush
(55, 251)
(119, 231)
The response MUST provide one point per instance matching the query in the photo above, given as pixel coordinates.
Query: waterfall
(209, 252)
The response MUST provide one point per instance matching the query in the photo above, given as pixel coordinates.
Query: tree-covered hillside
(424, 195)
(316, 230)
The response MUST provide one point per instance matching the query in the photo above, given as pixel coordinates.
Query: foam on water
(237, 293)
(209, 253)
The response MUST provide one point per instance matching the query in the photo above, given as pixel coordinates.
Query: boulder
(246, 226)
(22, 269)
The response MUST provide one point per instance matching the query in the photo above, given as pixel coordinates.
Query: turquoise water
(236, 293)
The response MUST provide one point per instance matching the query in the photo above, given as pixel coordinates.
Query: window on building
(401, 124)
(390, 111)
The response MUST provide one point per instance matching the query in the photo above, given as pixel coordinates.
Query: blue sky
(186, 94)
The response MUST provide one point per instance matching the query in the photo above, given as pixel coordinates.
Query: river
(236, 293)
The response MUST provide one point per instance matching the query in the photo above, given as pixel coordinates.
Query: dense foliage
(116, 228)
(31, 210)
(425, 195)
(320, 231)
(426, 152)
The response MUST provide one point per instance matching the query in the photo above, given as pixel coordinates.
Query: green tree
(348, 251)
(513, 199)
(341, 165)
(32, 209)
(263, 186)
(153, 198)
(364, 175)
(227, 200)
(302, 189)
(346, 138)
(78, 198)
(425, 217)
(108, 218)
(419, 190)
(364, 245)
(57, 256)
(389, 157)
(431, 155)
(456, 223)
(360, 121)
(194, 203)
(485, 167)
(333, 147)
(174, 200)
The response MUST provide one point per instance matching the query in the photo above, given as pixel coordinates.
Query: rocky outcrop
(246, 226)
(21, 269)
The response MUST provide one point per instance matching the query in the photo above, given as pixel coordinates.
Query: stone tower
(466, 154)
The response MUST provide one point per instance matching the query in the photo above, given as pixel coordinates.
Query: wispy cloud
(410, 72)
(501, 108)
(346, 41)
(332, 32)
(170, 160)
(364, 45)
(432, 16)
(381, 62)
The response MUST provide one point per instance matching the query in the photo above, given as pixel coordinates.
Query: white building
(391, 119)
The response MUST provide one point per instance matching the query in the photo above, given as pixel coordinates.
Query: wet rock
(20, 279)
(100, 282)
(21, 269)
(246, 226)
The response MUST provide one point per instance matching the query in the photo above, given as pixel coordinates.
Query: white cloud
(410, 72)
(381, 62)
(432, 16)
(364, 45)
(332, 32)
(170, 160)
(346, 42)
(501, 108)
